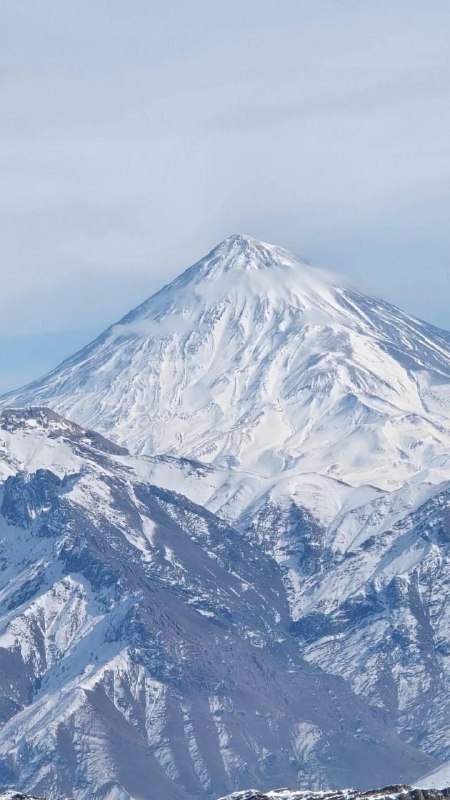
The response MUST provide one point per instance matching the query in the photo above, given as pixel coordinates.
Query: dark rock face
(28, 497)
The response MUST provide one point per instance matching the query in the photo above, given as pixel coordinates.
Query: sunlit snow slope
(254, 359)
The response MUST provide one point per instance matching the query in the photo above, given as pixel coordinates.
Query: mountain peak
(243, 242)
(251, 251)
(240, 253)
(253, 357)
(241, 239)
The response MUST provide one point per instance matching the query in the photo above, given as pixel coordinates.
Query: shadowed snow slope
(145, 645)
(255, 359)
(366, 574)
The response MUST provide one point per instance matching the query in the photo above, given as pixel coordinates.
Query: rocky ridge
(142, 638)
(388, 793)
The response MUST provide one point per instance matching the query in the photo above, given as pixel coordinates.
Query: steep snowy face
(146, 646)
(254, 359)
(373, 607)
(366, 575)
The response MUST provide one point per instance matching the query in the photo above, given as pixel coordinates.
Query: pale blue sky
(135, 135)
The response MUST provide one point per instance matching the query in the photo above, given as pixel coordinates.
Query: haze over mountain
(275, 501)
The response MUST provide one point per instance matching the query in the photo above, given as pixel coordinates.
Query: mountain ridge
(137, 628)
(388, 792)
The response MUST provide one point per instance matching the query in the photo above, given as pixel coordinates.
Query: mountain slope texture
(254, 359)
(245, 582)
(145, 644)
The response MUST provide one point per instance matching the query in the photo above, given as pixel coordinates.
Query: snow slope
(438, 779)
(254, 359)
(145, 645)
(366, 574)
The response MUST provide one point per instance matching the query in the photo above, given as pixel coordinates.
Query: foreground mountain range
(144, 637)
(242, 579)
(388, 793)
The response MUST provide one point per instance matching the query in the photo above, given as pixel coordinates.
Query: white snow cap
(255, 358)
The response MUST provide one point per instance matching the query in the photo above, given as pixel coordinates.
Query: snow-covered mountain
(306, 426)
(146, 646)
(254, 359)
(366, 573)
